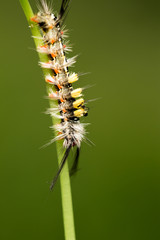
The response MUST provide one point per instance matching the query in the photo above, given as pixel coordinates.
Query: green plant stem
(64, 177)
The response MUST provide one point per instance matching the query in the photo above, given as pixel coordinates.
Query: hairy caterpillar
(71, 105)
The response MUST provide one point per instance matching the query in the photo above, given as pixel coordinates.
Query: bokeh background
(116, 194)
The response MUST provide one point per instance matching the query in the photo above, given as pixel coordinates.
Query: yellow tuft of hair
(79, 113)
(79, 102)
(76, 93)
(73, 78)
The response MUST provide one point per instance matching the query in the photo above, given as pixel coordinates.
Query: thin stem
(64, 177)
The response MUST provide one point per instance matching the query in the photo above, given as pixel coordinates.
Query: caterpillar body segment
(71, 105)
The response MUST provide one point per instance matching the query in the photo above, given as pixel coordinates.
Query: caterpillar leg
(74, 167)
(60, 168)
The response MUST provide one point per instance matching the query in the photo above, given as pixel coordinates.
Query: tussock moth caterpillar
(71, 105)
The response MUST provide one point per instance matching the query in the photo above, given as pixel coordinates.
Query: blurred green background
(116, 194)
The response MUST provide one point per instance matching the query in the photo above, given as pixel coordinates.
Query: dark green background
(116, 194)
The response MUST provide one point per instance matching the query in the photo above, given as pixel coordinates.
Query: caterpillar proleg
(71, 105)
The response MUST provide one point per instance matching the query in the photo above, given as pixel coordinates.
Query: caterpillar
(71, 105)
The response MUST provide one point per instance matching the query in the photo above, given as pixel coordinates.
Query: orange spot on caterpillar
(62, 32)
(59, 86)
(64, 110)
(44, 46)
(34, 19)
(65, 119)
(56, 71)
(52, 41)
(64, 45)
(53, 55)
(48, 81)
(50, 27)
(61, 100)
(59, 133)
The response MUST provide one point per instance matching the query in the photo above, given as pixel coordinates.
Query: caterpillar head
(45, 20)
